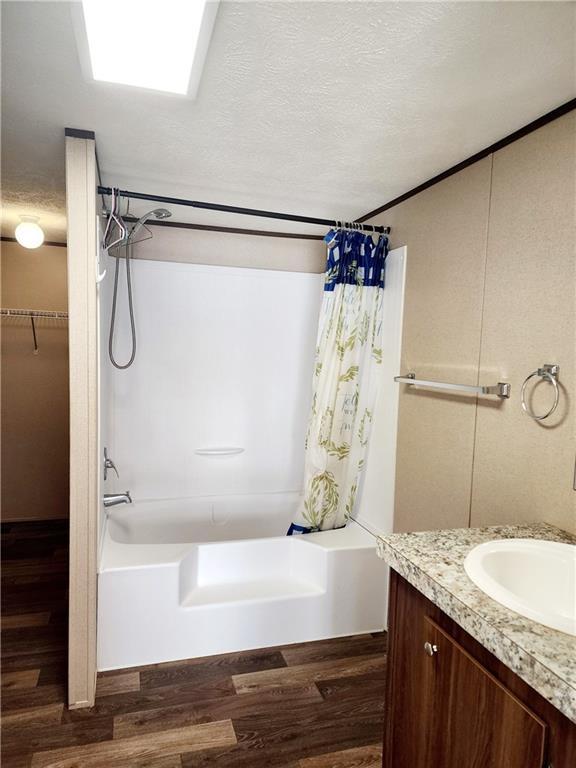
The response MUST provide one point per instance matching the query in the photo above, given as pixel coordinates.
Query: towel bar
(501, 389)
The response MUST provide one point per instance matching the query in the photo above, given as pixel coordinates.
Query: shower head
(161, 213)
(158, 213)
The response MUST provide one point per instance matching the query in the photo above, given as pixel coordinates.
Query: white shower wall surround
(224, 358)
(200, 563)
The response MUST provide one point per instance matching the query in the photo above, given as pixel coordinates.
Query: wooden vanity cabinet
(452, 704)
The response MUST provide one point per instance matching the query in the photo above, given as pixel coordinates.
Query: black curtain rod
(169, 224)
(242, 211)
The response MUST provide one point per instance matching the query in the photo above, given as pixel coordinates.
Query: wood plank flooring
(313, 705)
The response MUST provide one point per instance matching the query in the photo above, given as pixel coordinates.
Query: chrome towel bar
(501, 389)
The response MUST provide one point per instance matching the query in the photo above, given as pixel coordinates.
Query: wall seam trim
(482, 308)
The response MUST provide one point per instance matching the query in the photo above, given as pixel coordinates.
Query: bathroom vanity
(471, 684)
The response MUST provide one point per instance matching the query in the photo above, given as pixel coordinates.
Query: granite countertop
(433, 562)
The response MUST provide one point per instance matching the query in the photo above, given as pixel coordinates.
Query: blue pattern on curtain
(354, 259)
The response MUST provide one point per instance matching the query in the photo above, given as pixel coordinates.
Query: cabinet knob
(430, 649)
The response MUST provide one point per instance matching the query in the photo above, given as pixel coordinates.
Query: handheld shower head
(126, 244)
(158, 213)
(161, 213)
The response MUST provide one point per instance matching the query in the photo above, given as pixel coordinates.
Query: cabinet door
(471, 719)
(406, 717)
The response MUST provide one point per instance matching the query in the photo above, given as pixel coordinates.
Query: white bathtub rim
(119, 556)
(221, 495)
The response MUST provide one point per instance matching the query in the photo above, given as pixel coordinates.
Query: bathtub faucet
(112, 499)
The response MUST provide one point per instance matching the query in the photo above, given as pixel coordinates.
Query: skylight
(156, 45)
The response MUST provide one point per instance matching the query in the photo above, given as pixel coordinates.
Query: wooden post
(83, 349)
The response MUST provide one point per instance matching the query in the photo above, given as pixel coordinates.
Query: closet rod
(242, 211)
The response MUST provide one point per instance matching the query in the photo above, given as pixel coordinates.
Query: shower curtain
(348, 356)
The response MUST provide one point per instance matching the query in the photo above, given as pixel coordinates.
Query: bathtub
(184, 578)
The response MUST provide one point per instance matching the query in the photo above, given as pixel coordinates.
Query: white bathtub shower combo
(207, 431)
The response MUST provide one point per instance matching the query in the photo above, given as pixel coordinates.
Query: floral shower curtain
(348, 356)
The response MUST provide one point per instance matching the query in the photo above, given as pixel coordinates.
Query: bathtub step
(250, 591)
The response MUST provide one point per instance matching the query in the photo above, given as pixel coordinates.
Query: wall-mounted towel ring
(551, 373)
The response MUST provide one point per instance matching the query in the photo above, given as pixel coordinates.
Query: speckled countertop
(433, 562)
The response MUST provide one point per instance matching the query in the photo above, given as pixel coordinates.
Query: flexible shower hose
(130, 310)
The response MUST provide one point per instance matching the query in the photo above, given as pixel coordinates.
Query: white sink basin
(534, 578)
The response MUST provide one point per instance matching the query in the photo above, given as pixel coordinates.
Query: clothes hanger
(116, 219)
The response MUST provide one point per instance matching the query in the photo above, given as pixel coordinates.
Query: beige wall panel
(523, 470)
(34, 279)
(34, 387)
(233, 250)
(444, 229)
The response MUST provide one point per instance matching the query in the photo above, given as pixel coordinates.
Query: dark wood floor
(314, 705)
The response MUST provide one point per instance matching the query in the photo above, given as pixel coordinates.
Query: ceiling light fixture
(158, 46)
(29, 233)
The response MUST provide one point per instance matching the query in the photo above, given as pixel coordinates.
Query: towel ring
(549, 372)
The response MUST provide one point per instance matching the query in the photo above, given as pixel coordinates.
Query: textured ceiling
(320, 108)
